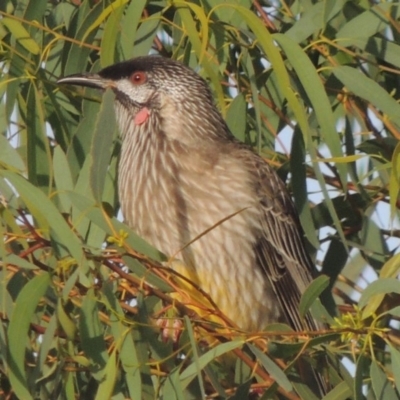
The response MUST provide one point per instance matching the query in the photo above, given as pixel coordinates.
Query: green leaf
(106, 386)
(369, 22)
(251, 74)
(145, 333)
(383, 148)
(391, 267)
(311, 21)
(313, 291)
(80, 49)
(394, 184)
(369, 90)
(21, 34)
(48, 343)
(331, 9)
(101, 148)
(81, 143)
(111, 9)
(172, 389)
(312, 85)
(39, 154)
(62, 177)
(304, 391)
(380, 286)
(195, 355)
(299, 184)
(18, 328)
(199, 45)
(9, 157)
(45, 211)
(276, 373)
(242, 391)
(266, 41)
(13, 259)
(380, 48)
(129, 28)
(33, 11)
(110, 37)
(91, 332)
(65, 321)
(81, 223)
(62, 118)
(342, 391)
(335, 259)
(123, 338)
(145, 35)
(373, 241)
(395, 366)
(192, 370)
(236, 117)
(362, 370)
(284, 350)
(377, 288)
(380, 384)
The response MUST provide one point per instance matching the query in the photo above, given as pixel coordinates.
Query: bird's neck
(146, 170)
(144, 150)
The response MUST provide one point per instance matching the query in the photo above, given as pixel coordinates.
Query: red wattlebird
(181, 172)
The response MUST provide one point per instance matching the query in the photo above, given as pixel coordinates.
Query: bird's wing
(280, 248)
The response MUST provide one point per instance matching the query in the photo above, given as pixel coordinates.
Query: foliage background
(312, 85)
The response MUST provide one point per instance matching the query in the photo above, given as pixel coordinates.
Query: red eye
(138, 78)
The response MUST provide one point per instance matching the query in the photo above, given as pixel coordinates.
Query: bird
(195, 192)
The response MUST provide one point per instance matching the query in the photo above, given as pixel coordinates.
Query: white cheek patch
(137, 93)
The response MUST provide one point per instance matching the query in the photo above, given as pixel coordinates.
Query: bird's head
(158, 92)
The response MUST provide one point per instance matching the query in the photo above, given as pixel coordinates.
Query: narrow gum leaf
(101, 147)
(199, 45)
(316, 287)
(21, 34)
(191, 371)
(276, 373)
(20, 320)
(42, 208)
(315, 90)
(103, 16)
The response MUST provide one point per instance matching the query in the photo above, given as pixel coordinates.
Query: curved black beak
(88, 80)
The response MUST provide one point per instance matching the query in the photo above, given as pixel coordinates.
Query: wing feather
(280, 248)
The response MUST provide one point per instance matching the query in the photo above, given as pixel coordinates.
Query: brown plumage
(182, 172)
